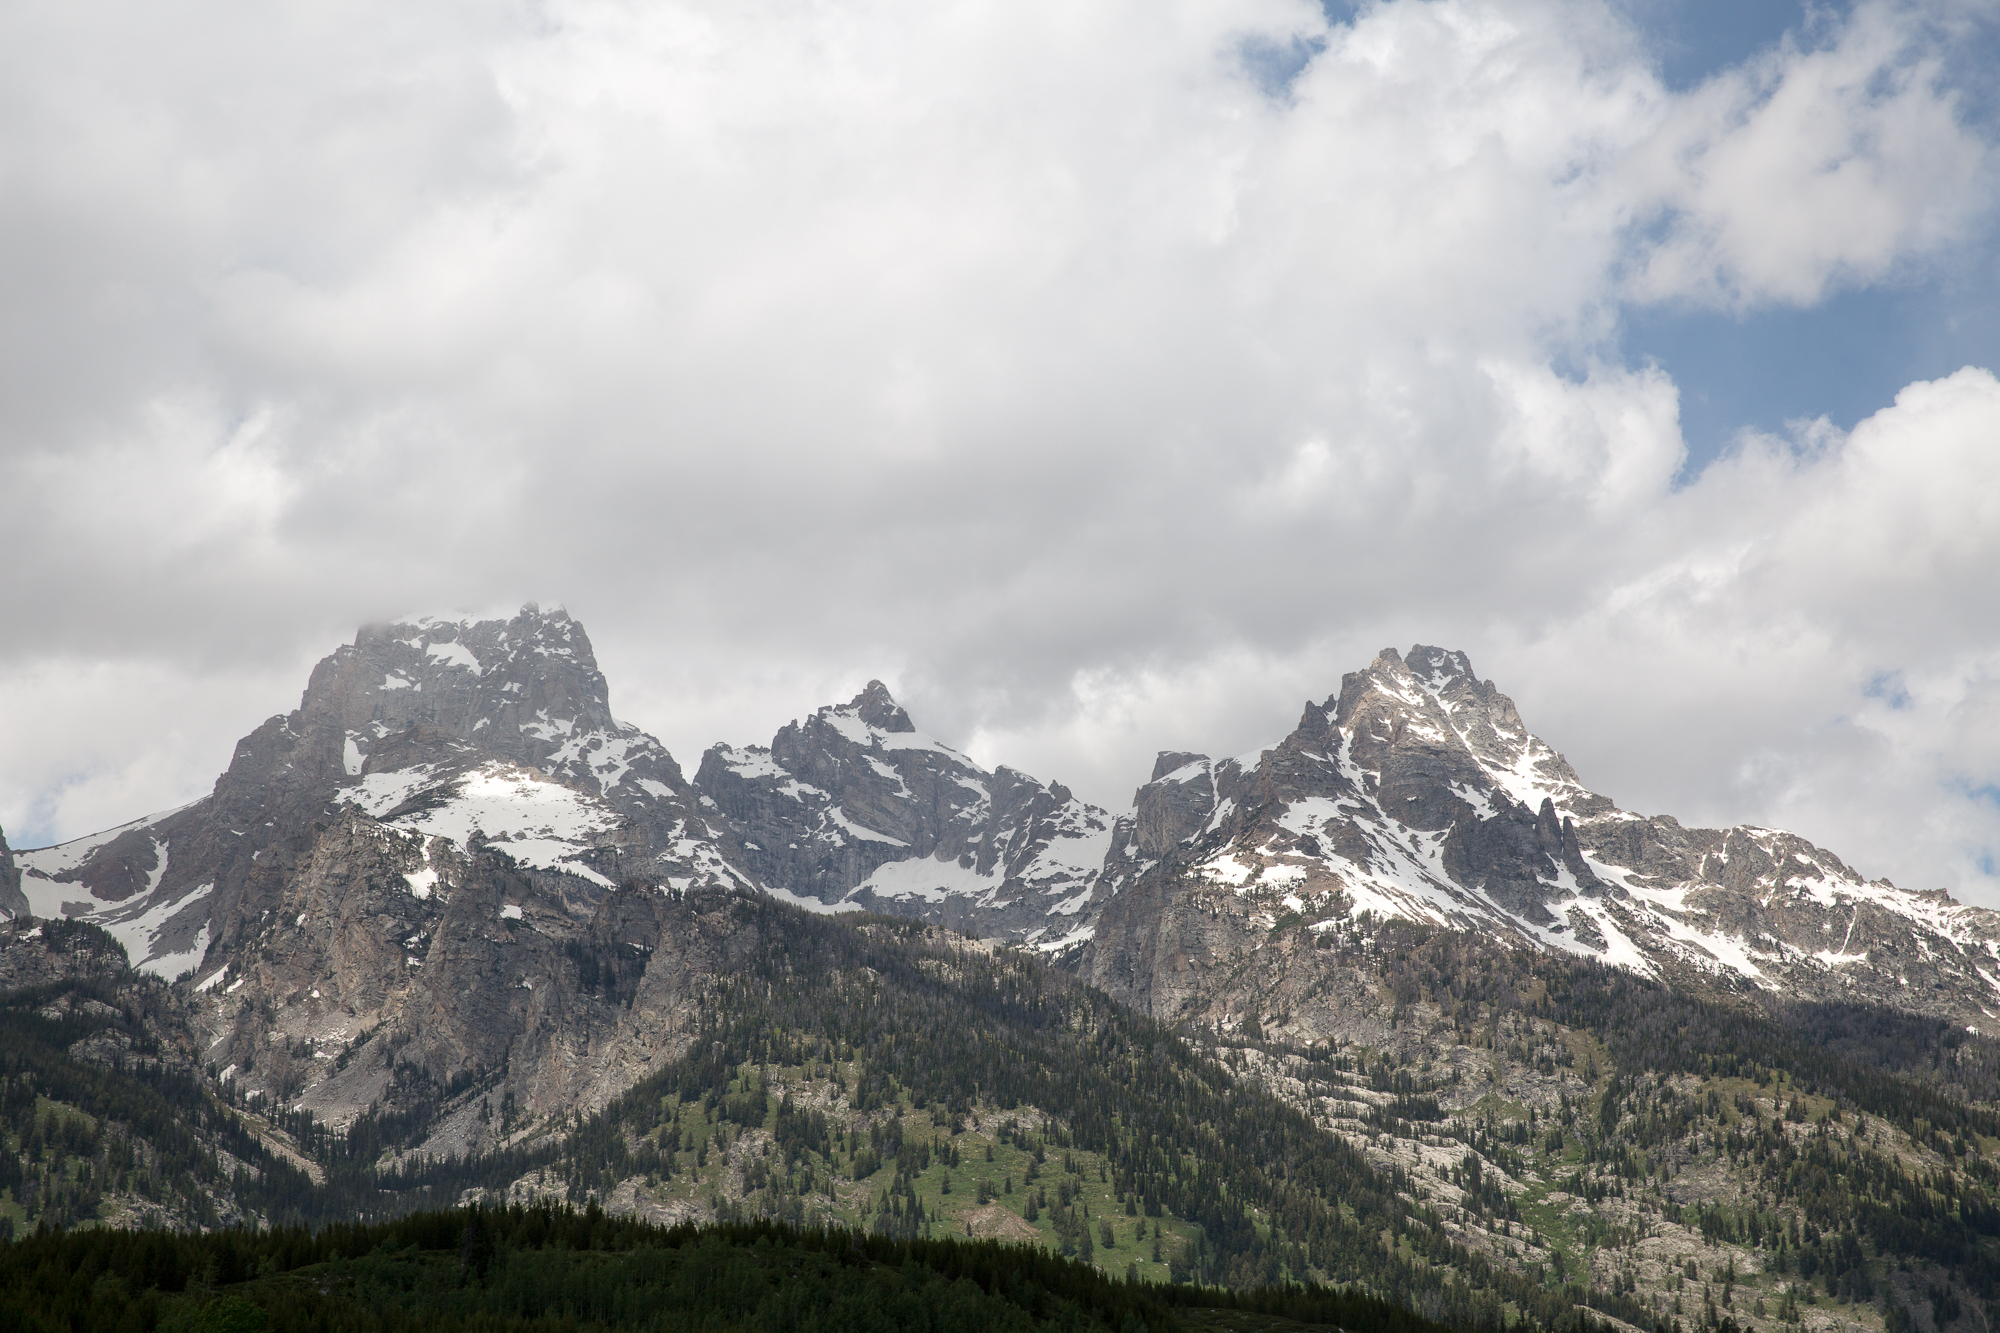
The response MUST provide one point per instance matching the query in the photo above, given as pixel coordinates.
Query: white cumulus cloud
(1106, 377)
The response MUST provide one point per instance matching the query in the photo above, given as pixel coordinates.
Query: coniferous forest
(554, 1267)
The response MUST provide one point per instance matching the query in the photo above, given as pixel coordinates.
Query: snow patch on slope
(453, 655)
(540, 824)
(52, 861)
(928, 879)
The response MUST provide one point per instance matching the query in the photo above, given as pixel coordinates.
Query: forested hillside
(1663, 1155)
(1534, 1137)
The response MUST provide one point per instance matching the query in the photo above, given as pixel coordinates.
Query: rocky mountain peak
(466, 730)
(856, 808)
(1439, 668)
(1433, 702)
(1172, 761)
(11, 899)
(1419, 793)
(877, 709)
(517, 689)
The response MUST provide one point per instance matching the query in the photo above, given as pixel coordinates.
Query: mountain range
(450, 926)
(1415, 792)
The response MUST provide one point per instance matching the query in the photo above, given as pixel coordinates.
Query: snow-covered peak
(857, 807)
(873, 720)
(1419, 793)
(1434, 700)
(437, 691)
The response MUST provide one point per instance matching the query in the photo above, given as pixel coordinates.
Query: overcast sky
(1107, 377)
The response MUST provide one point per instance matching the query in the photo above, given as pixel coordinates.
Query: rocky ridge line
(1418, 793)
(856, 808)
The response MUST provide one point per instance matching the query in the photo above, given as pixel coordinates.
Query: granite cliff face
(398, 967)
(856, 808)
(11, 900)
(1418, 793)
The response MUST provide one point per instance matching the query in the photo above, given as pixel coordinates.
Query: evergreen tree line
(512, 1270)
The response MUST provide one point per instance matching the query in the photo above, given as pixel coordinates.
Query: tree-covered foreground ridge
(1534, 1141)
(547, 1267)
(1394, 1011)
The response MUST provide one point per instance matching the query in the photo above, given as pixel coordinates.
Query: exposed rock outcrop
(856, 808)
(12, 901)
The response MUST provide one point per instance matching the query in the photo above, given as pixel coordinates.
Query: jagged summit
(495, 729)
(526, 689)
(877, 709)
(1436, 692)
(855, 808)
(1417, 792)
(498, 734)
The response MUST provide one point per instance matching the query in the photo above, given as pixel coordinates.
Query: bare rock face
(1417, 793)
(397, 970)
(335, 958)
(1175, 805)
(856, 808)
(12, 901)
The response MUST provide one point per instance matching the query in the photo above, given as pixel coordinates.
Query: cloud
(1099, 381)
(1812, 645)
(1812, 166)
